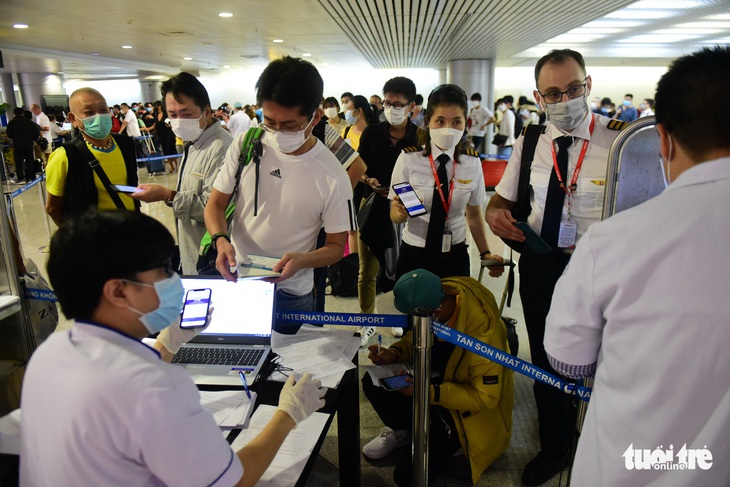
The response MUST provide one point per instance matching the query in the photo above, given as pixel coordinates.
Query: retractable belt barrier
(445, 333)
(156, 158)
(25, 188)
(40, 294)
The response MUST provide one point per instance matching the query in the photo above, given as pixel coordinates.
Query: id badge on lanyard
(446, 241)
(568, 232)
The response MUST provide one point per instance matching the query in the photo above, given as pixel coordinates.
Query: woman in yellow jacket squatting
(471, 400)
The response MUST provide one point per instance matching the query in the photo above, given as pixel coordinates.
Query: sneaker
(386, 443)
(397, 331)
(365, 333)
(544, 467)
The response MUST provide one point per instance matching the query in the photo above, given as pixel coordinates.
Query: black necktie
(556, 195)
(436, 223)
(182, 164)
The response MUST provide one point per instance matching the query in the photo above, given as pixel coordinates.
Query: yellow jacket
(476, 391)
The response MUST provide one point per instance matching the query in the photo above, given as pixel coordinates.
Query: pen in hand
(380, 343)
(245, 384)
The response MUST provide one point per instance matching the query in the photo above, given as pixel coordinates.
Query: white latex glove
(300, 400)
(173, 337)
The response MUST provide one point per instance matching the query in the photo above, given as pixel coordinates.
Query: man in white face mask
(567, 181)
(297, 188)
(206, 141)
(642, 325)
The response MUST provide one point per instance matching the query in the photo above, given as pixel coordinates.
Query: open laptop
(239, 335)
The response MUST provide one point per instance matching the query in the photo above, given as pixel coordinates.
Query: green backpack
(251, 149)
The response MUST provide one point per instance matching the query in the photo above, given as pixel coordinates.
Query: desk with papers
(323, 352)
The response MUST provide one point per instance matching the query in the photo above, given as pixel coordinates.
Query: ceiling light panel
(667, 4)
(637, 14)
(698, 32)
(574, 38)
(657, 38)
(705, 25)
(610, 23)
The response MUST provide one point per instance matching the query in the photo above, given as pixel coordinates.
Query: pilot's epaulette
(524, 130)
(471, 152)
(617, 125)
(413, 148)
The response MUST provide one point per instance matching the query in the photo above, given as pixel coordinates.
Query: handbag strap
(96, 166)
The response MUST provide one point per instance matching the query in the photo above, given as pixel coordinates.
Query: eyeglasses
(575, 91)
(397, 105)
(272, 130)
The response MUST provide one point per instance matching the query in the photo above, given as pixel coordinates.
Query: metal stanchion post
(11, 210)
(422, 341)
(579, 419)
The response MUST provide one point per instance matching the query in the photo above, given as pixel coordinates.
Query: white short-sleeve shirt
(132, 124)
(297, 196)
(587, 203)
(657, 323)
(100, 408)
(415, 168)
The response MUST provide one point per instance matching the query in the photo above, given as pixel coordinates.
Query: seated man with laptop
(100, 407)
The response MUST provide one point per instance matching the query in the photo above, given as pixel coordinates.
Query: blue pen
(245, 384)
(380, 343)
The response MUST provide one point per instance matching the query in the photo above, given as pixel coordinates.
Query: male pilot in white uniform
(102, 408)
(576, 142)
(643, 305)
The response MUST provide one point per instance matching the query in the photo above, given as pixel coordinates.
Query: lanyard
(578, 165)
(447, 204)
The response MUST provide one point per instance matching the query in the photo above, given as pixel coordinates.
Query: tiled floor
(506, 471)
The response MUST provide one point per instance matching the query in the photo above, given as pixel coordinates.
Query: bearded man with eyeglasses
(566, 182)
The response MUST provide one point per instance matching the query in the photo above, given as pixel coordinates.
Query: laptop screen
(244, 308)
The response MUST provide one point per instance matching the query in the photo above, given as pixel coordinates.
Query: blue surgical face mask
(148, 109)
(170, 292)
(97, 126)
(627, 103)
(349, 118)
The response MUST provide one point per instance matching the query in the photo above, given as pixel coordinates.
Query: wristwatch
(169, 202)
(216, 236)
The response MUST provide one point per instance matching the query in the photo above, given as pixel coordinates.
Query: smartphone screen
(126, 189)
(396, 382)
(195, 309)
(409, 198)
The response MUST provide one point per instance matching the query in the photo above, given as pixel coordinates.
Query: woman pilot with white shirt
(452, 195)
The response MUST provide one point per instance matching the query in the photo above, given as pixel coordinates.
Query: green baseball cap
(418, 288)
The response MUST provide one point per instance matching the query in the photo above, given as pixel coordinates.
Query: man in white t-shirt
(100, 407)
(299, 187)
(479, 118)
(129, 125)
(239, 122)
(42, 120)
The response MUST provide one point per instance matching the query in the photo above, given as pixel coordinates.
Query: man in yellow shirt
(81, 174)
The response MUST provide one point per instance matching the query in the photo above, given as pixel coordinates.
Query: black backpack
(342, 276)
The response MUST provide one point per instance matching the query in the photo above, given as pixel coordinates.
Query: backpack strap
(251, 149)
(96, 166)
(522, 208)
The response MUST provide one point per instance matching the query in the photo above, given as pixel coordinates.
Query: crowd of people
(325, 180)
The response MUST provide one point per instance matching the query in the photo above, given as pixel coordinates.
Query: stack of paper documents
(290, 460)
(326, 353)
(230, 409)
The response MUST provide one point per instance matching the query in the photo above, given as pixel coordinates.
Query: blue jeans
(504, 151)
(290, 302)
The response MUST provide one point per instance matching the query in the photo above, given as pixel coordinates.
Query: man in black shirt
(380, 146)
(24, 132)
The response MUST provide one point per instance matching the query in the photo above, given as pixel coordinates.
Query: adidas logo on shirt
(276, 173)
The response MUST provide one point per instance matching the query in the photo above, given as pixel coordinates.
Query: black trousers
(24, 162)
(449, 264)
(396, 412)
(538, 275)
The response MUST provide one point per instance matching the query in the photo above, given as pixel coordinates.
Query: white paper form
(292, 457)
(230, 409)
(316, 350)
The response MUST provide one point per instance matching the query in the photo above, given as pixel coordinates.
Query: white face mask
(330, 112)
(395, 116)
(188, 129)
(567, 115)
(288, 142)
(666, 174)
(445, 138)
(501, 108)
